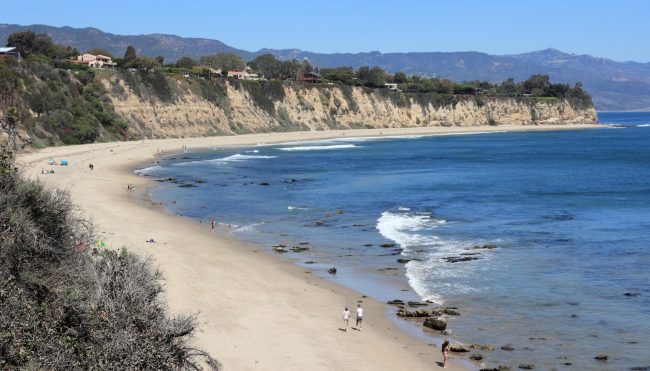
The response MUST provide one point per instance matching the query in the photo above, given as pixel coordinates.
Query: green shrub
(263, 93)
(62, 306)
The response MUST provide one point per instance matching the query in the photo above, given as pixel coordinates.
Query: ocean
(568, 211)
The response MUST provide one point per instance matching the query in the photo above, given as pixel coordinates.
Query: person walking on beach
(445, 353)
(359, 316)
(346, 318)
(213, 224)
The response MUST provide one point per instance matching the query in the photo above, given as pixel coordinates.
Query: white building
(95, 61)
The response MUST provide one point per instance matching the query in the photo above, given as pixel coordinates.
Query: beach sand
(255, 310)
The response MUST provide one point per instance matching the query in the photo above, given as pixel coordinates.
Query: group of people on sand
(346, 318)
(359, 321)
(130, 188)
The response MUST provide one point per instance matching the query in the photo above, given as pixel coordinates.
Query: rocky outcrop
(435, 324)
(258, 106)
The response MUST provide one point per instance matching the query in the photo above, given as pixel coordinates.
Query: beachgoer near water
(359, 316)
(213, 224)
(445, 353)
(346, 318)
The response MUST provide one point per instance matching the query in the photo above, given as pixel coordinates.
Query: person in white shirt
(359, 316)
(346, 318)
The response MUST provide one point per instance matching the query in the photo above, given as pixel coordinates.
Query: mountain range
(615, 86)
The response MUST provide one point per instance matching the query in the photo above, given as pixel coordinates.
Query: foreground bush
(64, 305)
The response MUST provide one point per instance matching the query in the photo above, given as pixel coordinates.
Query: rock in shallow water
(459, 348)
(435, 324)
(483, 347)
(413, 314)
(476, 357)
(500, 368)
(457, 259)
(487, 246)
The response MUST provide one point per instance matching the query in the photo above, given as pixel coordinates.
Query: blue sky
(619, 30)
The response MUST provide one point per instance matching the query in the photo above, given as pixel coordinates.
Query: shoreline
(240, 321)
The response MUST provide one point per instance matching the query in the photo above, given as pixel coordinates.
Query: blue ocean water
(569, 212)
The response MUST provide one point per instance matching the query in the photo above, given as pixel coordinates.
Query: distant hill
(172, 47)
(613, 85)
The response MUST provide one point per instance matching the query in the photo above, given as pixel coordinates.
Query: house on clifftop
(246, 74)
(309, 77)
(10, 51)
(95, 61)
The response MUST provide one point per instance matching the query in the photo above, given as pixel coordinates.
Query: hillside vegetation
(58, 105)
(65, 305)
(54, 100)
(67, 104)
(614, 85)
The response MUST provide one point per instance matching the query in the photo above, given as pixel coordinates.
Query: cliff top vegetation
(57, 101)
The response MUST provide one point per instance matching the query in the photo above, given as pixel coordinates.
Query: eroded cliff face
(247, 107)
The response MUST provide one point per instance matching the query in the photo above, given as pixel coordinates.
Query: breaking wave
(317, 148)
(402, 228)
(234, 158)
(428, 275)
(147, 170)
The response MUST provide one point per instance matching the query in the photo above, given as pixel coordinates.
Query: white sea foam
(234, 158)
(643, 125)
(403, 208)
(248, 228)
(253, 151)
(146, 170)
(317, 148)
(430, 277)
(402, 228)
(351, 140)
(296, 207)
(240, 157)
(348, 140)
(468, 133)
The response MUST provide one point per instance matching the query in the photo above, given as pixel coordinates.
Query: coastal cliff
(259, 106)
(56, 106)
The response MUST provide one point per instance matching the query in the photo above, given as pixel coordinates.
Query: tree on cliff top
(266, 65)
(129, 55)
(225, 61)
(100, 51)
(29, 43)
(187, 63)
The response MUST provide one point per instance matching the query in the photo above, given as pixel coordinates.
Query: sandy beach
(255, 310)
